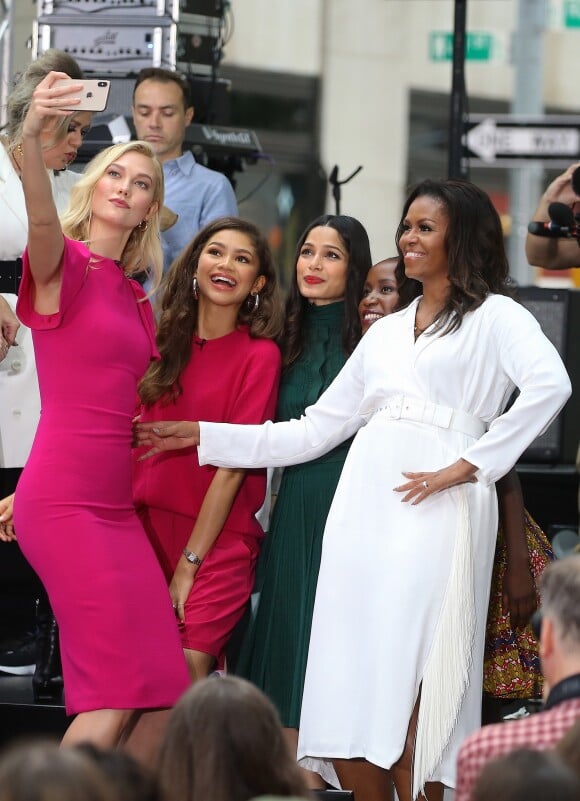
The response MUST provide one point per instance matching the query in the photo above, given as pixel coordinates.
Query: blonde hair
(143, 249)
(20, 97)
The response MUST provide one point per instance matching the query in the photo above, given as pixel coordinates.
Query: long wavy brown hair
(179, 309)
(224, 742)
(356, 241)
(478, 265)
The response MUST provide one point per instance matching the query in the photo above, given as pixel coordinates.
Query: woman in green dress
(322, 329)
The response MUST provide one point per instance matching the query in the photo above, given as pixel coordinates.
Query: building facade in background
(328, 83)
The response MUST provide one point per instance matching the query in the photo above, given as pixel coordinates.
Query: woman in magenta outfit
(220, 313)
(94, 338)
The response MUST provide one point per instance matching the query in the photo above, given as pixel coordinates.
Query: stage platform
(21, 717)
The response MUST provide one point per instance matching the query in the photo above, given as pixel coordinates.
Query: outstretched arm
(45, 240)
(334, 417)
(555, 254)
(165, 436)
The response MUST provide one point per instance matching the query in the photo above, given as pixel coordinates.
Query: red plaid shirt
(540, 731)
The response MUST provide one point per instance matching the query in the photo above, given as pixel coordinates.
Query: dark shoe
(47, 681)
(21, 659)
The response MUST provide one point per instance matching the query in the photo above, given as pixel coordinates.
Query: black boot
(47, 680)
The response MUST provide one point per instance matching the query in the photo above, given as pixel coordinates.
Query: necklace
(417, 329)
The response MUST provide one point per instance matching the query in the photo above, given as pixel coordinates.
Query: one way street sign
(506, 140)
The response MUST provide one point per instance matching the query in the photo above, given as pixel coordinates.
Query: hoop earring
(253, 307)
(143, 225)
(195, 288)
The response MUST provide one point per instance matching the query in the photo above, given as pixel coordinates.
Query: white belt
(402, 407)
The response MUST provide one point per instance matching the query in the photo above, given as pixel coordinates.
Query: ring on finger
(425, 484)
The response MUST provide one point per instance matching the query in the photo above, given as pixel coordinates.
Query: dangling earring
(195, 287)
(253, 307)
(143, 225)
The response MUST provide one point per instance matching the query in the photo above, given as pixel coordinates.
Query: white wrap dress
(403, 590)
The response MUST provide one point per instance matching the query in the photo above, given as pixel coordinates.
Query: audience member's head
(41, 771)
(527, 775)
(224, 742)
(133, 781)
(560, 624)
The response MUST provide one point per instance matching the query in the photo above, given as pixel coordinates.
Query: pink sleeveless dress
(74, 514)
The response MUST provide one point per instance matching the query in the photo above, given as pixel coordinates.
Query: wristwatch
(192, 557)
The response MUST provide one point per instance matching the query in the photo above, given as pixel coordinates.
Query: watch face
(192, 557)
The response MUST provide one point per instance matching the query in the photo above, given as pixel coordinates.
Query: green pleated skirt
(275, 647)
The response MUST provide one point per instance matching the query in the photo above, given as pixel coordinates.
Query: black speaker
(558, 312)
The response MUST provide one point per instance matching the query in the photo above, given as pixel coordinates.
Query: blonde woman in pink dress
(94, 338)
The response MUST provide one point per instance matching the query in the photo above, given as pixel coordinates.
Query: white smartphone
(93, 95)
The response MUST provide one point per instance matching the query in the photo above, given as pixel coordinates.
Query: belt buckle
(395, 407)
(414, 408)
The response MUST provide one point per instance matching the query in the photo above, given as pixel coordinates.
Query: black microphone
(562, 224)
(550, 229)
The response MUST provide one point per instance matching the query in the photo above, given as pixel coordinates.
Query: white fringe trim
(447, 671)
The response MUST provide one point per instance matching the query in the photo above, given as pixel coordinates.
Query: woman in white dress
(394, 675)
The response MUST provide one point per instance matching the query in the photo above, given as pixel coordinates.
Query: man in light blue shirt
(161, 112)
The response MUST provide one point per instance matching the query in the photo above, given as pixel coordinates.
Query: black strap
(563, 691)
(10, 275)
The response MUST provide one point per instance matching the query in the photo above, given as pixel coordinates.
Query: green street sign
(479, 46)
(440, 46)
(572, 13)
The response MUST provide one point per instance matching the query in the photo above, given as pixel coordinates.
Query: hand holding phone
(93, 95)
